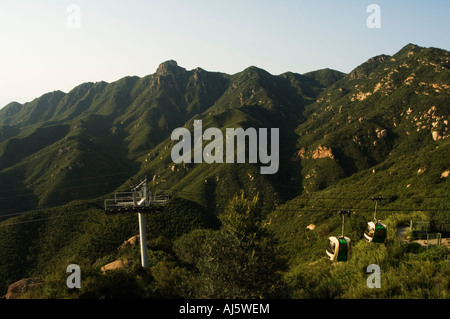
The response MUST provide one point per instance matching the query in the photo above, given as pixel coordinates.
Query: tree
(240, 260)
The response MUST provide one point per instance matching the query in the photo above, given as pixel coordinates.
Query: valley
(231, 230)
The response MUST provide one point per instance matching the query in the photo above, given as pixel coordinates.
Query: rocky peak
(408, 50)
(169, 66)
(363, 71)
(168, 74)
(378, 58)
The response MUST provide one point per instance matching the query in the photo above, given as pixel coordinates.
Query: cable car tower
(376, 231)
(139, 201)
(339, 248)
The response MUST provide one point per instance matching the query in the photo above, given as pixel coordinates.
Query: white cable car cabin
(339, 248)
(375, 232)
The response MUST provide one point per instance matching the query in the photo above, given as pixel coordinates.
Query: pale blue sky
(39, 53)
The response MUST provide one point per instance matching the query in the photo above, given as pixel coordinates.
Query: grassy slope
(358, 171)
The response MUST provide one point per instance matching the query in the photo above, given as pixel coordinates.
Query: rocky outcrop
(130, 242)
(436, 135)
(167, 67)
(298, 155)
(168, 75)
(319, 152)
(381, 133)
(120, 263)
(322, 152)
(18, 288)
(421, 170)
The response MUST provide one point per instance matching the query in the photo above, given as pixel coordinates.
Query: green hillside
(380, 130)
(92, 139)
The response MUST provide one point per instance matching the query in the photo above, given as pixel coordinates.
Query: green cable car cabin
(375, 232)
(339, 248)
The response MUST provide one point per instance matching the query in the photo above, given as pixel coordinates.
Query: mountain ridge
(381, 129)
(136, 114)
(161, 101)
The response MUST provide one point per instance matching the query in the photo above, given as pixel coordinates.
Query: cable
(301, 207)
(6, 190)
(321, 209)
(39, 219)
(184, 192)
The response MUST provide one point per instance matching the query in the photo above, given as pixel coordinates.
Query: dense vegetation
(243, 258)
(230, 232)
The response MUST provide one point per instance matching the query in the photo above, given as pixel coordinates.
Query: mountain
(380, 130)
(86, 143)
(386, 107)
(94, 134)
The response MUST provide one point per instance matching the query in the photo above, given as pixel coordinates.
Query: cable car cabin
(339, 248)
(375, 232)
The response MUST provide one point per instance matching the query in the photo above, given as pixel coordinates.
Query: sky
(48, 45)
